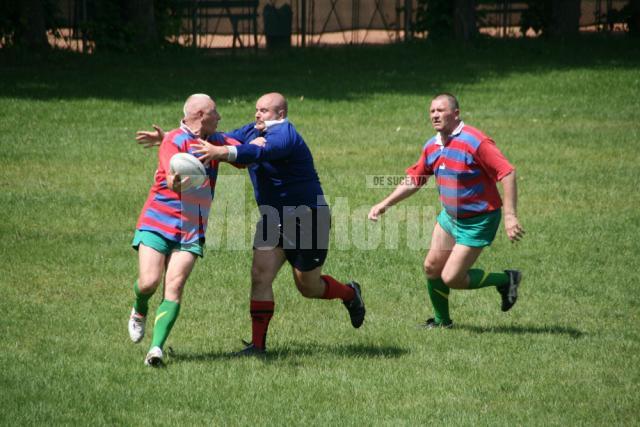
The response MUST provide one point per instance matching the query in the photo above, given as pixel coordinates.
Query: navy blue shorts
(302, 232)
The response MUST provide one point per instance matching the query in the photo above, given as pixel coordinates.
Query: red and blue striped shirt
(180, 217)
(467, 167)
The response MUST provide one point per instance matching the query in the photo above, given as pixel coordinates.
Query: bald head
(275, 101)
(196, 103)
(200, 114)
(271, 106)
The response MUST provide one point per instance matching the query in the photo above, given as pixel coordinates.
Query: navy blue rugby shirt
(282, 172)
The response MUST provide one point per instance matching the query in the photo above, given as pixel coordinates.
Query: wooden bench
(234, 10)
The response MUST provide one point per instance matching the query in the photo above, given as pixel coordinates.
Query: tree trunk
(634, 20)
(142, 16)
(565, 17)
(464, 19)
(34, 33)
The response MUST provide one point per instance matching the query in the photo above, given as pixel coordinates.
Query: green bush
(112, 25)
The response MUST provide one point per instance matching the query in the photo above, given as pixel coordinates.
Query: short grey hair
(453, 101)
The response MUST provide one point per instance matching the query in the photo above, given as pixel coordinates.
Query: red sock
(335, 289)
(261, 313)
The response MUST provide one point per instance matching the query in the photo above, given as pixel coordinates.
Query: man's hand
(150, 139)
(209, 151)
(177, 183)
(515, 232)
(259, 141)
(377, 211)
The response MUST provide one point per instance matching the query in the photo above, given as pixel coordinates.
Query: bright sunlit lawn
(73, 183)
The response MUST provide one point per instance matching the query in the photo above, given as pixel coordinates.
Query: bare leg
(455, 273)
(265, 267)
(151, 265)
(179, 267)
(441, 245)
(309, 283)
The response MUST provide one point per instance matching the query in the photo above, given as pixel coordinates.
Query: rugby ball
(185, 164)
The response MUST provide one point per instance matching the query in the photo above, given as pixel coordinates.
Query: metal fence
(502, 18)
(322, 22)
(313, 22)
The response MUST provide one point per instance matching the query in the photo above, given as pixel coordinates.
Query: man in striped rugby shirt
(170, 232)
(467, 165)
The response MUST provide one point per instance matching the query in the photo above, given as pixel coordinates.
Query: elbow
(511, 175)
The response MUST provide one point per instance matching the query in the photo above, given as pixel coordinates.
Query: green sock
(479, 279)
(141, 304)
(166, 316)
(439, 295)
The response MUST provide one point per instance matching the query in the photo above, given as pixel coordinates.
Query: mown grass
(73, 182)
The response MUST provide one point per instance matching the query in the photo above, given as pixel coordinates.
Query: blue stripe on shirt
(179, 140)
(165, 219)
(469, 139)
(464, 208)
(458, 155)
(458, 175)
(461, 192)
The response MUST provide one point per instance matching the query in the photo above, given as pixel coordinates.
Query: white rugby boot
(136, 326)
(154, 357)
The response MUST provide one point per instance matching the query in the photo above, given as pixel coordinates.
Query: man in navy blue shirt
(294, 216)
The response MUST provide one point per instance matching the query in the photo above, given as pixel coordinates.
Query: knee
(300, 284)
(309, 286)
(258, 276)
(447, 278)
(305, 290)
(432, 269)
(455, 281)
(148, 282)
(174, 293)
(174, 287)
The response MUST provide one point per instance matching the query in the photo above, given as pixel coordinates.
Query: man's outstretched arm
(150, 139)
(405, 189)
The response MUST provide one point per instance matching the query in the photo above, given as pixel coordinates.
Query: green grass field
(73, 182)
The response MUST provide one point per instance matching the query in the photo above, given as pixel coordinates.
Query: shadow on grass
(347, 350)
(294, 350)
(514, 329)
(331, 74)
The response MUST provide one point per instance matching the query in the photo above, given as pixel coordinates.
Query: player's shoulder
(474, 133)
(430, 143)
(285, 127)
(471, 137)
(285, 132)
(173, 133)
(176, 136)
(292, 130)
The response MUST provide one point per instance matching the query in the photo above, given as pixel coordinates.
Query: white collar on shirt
(455, 132)
(185, 128)
(269, 123)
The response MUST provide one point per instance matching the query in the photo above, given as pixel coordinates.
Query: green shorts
(164, 245)
(476, 232)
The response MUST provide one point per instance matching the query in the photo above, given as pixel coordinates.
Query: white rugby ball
(185, 164)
